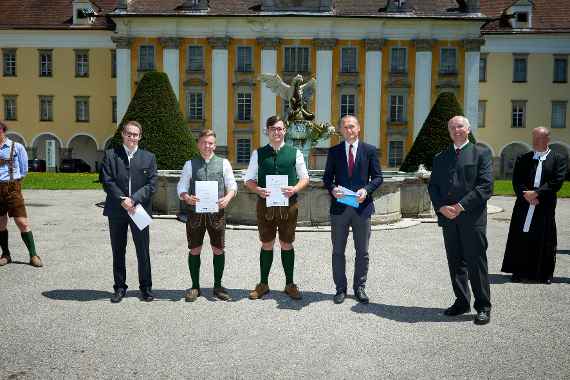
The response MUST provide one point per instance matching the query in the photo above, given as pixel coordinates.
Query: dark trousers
(118, 229)
(466, 248)
(361, 235)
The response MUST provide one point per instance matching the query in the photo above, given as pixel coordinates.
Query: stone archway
(564, 151)
(39, 146)
(509, 154)
(85, 147)
(16, 137)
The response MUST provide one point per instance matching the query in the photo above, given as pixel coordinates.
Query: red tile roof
(547, 16)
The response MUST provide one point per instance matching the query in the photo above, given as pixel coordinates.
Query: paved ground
(57, 322)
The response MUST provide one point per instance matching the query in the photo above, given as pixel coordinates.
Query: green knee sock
(28, 239)
(194, 266)
(219, 263)
(288, 261)
(265, 261)
(4, 243)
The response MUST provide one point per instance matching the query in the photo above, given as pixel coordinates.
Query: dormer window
(84, 12)
(522, 14)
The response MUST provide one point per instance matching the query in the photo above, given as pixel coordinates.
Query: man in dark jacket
(354, 165)
(129, 179)
(460, 185)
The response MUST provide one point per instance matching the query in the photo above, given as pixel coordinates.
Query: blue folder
(349, 200)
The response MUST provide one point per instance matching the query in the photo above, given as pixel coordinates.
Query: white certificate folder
(274, 183)
(141, 218)
(207, 193)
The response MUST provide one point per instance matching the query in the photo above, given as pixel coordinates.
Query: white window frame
(518, 115)
(348, 67)
(143, 65)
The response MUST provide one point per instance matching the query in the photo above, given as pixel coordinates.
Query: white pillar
(373, 92)
(471, 92)
(171, 62)
(123, 80)
(422, 85)
(268, 99)
(220, 89)
(324, 79)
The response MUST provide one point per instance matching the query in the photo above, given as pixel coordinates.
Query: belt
(8, 182)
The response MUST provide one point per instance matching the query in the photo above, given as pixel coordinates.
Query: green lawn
(505, 187)
(62, 181)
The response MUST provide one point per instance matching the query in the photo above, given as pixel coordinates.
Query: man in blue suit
(353, 165)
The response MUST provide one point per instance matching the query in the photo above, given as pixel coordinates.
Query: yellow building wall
(539, 91)
(63, 86)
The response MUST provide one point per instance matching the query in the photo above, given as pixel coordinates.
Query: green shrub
(165, 132)
(434, 136)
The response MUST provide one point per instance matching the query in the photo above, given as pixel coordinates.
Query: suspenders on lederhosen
(11, 163)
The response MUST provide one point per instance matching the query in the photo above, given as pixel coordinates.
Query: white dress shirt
(354, 149)
(130, 155)
(253, 167)
(184, 182)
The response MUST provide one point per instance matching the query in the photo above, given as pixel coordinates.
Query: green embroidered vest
(280, 163)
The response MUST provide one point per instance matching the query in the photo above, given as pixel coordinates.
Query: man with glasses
(129, 178)
(276, 158)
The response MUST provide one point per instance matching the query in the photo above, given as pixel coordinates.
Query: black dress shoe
(339, 297)
(118, 295)
(548, 281)
(482, 317)
(455, 310)
(361, 295)
(146, 295)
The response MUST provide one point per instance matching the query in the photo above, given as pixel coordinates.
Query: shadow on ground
(499, 279)
(409, 314)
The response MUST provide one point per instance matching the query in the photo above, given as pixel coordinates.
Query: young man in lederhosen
(276, 158)
(13, 168)
(206, 167)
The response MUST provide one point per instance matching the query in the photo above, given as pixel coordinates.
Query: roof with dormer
(547, 16)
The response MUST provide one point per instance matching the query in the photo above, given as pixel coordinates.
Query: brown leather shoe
(293, 291)
(5, 259)
(192, 295)
(35, 261)
(259, 291)
(222, 294)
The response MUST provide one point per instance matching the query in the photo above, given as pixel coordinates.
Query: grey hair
(464, 121)
(542, 129)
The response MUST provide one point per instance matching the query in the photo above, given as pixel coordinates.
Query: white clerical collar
(130, 153)
(540, 155)
(462, 146)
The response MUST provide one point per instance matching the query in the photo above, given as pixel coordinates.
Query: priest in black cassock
(531, 246)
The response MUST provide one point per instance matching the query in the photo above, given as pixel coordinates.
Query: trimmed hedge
(434, 136)
(165, 132)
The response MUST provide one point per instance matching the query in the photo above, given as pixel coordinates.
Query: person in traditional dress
(538, 175)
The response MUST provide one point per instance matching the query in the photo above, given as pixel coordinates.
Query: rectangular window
(244, 106)
(46, 108)
(195, 105)
(243, 151)
(519, 69)
(348, 60)
(146, 58)
(46, 63)
(448, 64)
(114, 109)
(483, 69)
(347, 104)
(398, 60)
(82, 109)
(244, 59)
(560, 70)
(10, 113)
(195, 58)
(482, 113)
(559, 114)
(397, 108)
(9, 61)
(113, 63)
(518, 113)
(81, 63)
(296, 59)
(395, 153)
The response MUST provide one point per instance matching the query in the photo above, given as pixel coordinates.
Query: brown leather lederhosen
(11, 199)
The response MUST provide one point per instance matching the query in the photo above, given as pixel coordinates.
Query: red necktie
(457, 151)
(350, 161)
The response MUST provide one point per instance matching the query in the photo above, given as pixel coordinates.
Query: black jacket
(366, 174)
(467, 180)
(115, 174)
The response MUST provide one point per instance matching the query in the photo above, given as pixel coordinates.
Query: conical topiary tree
(434, 136)
(165, 133)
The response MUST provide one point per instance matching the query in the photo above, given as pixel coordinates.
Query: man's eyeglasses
(271, 129)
